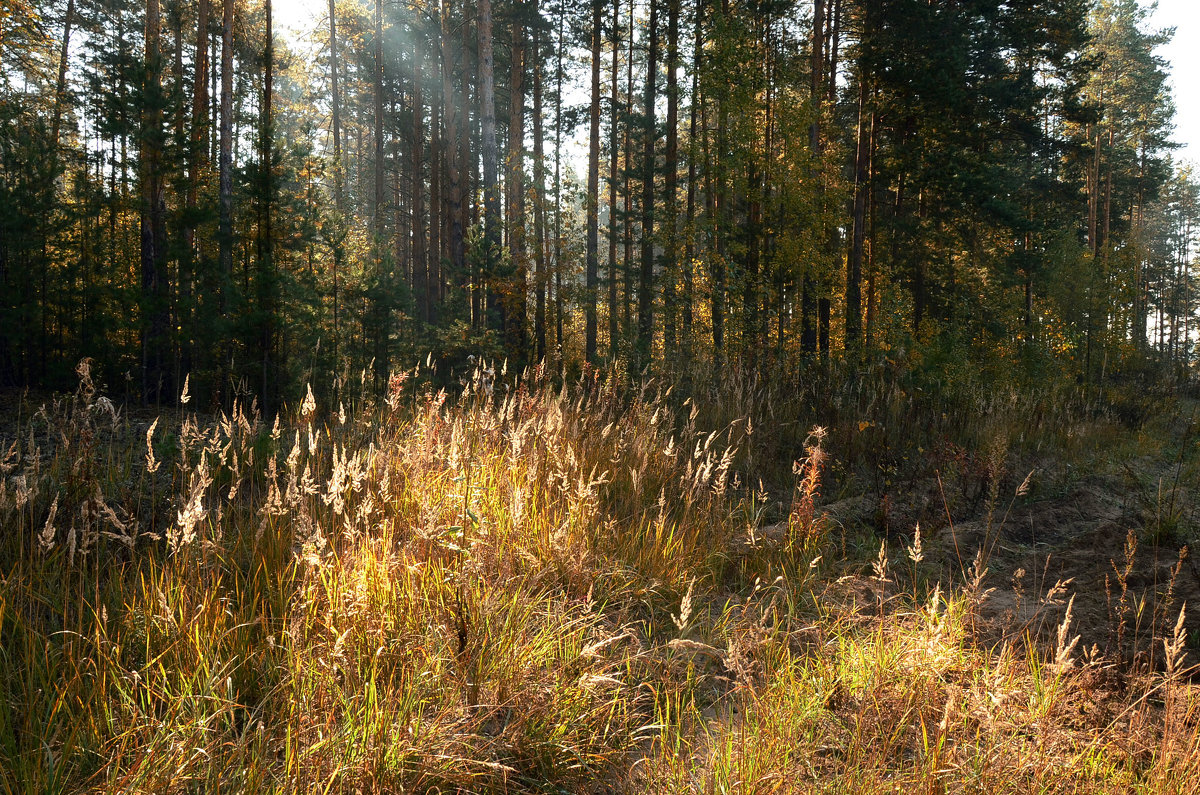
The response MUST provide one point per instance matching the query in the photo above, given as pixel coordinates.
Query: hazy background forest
(647, 396)
(185, 195)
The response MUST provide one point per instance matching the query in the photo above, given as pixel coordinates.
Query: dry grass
(535, 590)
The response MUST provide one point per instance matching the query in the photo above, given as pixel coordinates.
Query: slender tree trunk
(378, 202)
(339, 210)
(515, 184)
(649, 135)
(539, 207)
(713, 190)
(558, 234)
(61, 85)
(627, 189)
(614, 154)
(437, 253)
(416, 182)
(455, 132)
(671, 185)
(155, 320)
(832, 230)
(491, 193)
(382, 303)
(808, 302)
(593, 187)
(196, 164)
(266, 276)
(689, 254)
(858, 220)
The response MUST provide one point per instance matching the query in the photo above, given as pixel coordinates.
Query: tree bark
(593, 187)
(416, 183)
(689, 253)
(649, 135)
(558, 234)
(266, 276)
(539, 206)
(517, 287)
(614, 154)
(455, 131)
(858, 220)
(155, 319)
(196, 162)
(671, 184)
(61, 84)
(491, 194)
(808, 301)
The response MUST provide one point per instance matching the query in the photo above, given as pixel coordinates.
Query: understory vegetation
(520, 585)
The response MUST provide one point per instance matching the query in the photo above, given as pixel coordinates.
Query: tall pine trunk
(858, 216)
(593, 198)
(155, 318)
(455, 132)
(691, 232)
(61, 83)
(614, 154)
(649, 133)
(491, 193)
(338, 201)
(196, 163)
(517, 286)
(416, 182)
(558, 232)
(808, 288)
(671, 184)
(539, 207)
(266, 275)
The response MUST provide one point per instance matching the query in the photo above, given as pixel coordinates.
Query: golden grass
(541, 590)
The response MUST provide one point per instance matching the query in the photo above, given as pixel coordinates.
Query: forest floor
(576, 590)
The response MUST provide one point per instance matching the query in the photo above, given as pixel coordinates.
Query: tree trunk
(689, 254)
(646, 277)
(378, 200)
(558, 234)
(155, 320)
(593, 187)
(336, 130)
(196, 163)
(808, 302)
(627, 169)
(517, 287)
(416, 183)
(614, 154)
(266, 275)
(455, 132)
(858, 221)
(671, 184)
(61, 85)
(539, 206)
(491, 194)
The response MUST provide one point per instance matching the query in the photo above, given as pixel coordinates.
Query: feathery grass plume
(1065, 645)
(46, 537)
(308, 407)
(916, 552)
(12, 458)
(1173, 647)
(685, 610)
(183, 532)
(152, 463)
(880, 567)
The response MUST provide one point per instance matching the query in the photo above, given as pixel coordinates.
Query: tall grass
(514, 588)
